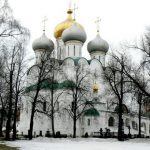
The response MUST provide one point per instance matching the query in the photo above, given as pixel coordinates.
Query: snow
(81, 144)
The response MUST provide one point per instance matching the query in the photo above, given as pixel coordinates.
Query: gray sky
(121, 19)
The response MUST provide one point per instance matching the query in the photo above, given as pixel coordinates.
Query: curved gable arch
(68, 61)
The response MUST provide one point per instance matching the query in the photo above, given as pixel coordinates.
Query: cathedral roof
(74, 33)
(47, 84)
(98, 44)
(43, 43)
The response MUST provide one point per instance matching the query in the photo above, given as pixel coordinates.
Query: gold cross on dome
(98, 23)
(70, 4)
(44, 23)
(74, 11)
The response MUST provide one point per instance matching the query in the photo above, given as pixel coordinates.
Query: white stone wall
(63, 122)
(100, 55)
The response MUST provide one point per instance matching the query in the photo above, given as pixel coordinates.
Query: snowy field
(81, 144)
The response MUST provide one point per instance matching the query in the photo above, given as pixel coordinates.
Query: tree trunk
(15, 119)
(33, 113)
(9, 116)
(52, 112)
(74, 127)
(1, 122)
(120, 123)
(75, 117)
(52, 107)
(53, 126)
(31, 123)
(139, 134)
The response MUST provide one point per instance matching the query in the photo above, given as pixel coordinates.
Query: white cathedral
(70, 37)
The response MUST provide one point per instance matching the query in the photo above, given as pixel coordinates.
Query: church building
(98, 113)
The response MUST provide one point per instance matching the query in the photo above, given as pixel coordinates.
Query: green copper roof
(49, 85)
(76, 60)
(91, 112)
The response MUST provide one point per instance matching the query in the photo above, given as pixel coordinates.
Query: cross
(70, 4)
(6, 3)
(44, 23)
(74, 10)
(98, 22)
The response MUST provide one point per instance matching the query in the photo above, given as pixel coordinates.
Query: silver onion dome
(43, 43)
(98, 44)
(75, 32)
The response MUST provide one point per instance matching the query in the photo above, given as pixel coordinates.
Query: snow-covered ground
(81, 144)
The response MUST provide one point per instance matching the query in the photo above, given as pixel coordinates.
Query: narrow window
(60, 53)
(111, 122)
(89, 122)
(74, 51)
(44, 106)
(99, 58)
(68, 50)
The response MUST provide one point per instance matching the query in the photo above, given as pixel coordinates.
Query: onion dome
(74, 33)
(98, 44)
(65, 25)
(43, 43)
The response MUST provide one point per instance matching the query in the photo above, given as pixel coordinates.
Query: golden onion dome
(95, 88)
(65, 25)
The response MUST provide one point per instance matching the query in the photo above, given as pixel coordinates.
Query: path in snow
(81, 144)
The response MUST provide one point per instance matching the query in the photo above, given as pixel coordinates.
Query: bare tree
(19, 79)
(14, 76)
(50, 101)
(143, 69)
(78, 89)
(11, 35)
(9, 26)
(40, 72)
(119, 83)
(3, 96)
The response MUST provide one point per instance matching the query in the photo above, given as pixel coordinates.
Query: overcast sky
(121, 19)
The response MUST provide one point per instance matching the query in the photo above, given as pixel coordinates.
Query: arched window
(44, 106)
(127, 122)
(111, 122)
(134, 125)
(143, 127)
(89, 122)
